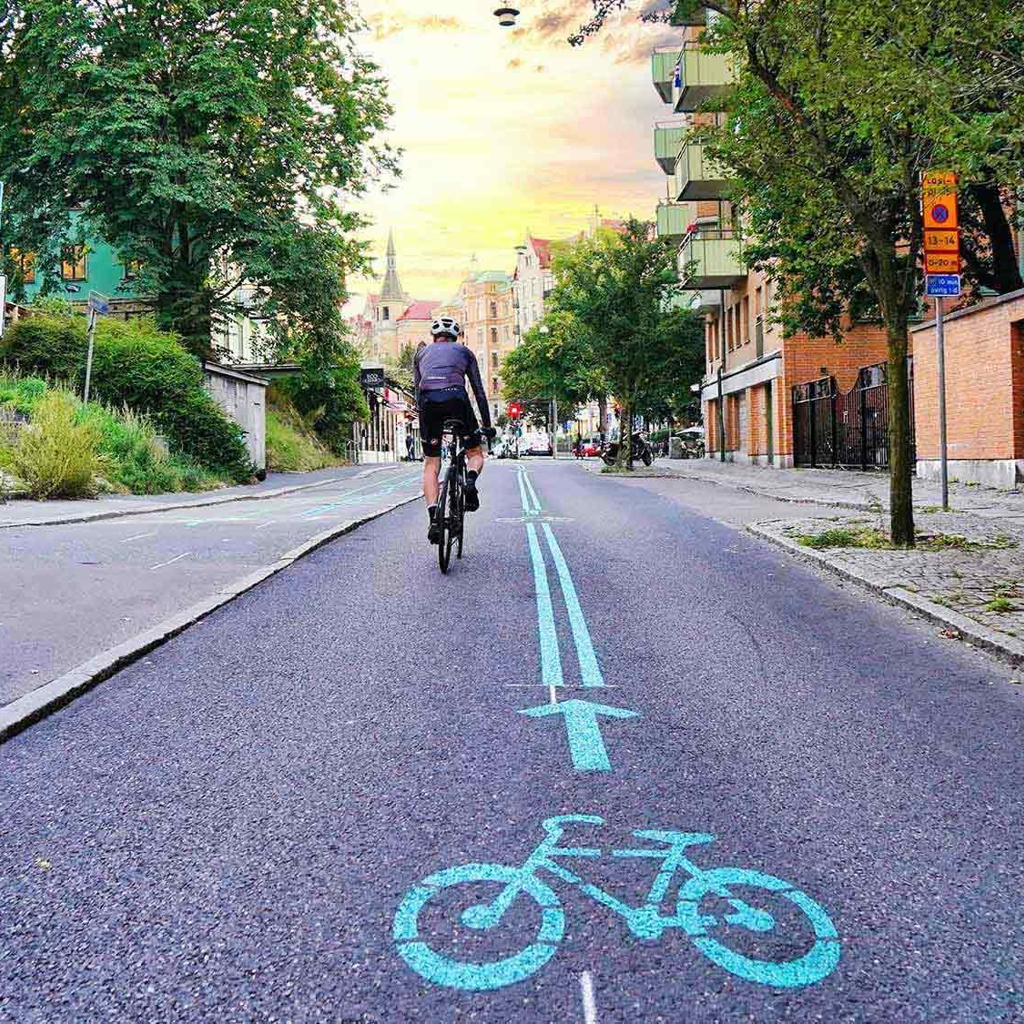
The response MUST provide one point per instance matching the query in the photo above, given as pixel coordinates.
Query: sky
(504, 131)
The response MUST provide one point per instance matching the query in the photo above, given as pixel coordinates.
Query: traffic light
(515, 410)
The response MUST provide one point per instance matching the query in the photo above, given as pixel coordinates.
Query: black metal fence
(851, 430)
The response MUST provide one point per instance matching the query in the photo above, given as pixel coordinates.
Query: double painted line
(550, 656)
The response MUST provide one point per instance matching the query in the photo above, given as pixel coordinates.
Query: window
(26, 264)
(494, 385)
(494, 335)
(746, 319)
(494, 311)
(494, 360)
(387, 313)
(74, 263)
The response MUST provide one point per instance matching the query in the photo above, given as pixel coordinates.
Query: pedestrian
(410, 448)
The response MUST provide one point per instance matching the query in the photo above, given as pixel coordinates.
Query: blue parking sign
(937, 285)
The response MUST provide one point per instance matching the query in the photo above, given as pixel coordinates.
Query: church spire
(391, 287)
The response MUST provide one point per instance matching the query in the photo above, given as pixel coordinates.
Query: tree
(211, 145)
(554, 363)
(619, 289)
(836, 111)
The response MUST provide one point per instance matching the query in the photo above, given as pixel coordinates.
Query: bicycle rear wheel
(444, 545)
(456, 502)
(461, 518)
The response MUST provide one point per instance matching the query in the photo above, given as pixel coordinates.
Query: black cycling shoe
(472, 497)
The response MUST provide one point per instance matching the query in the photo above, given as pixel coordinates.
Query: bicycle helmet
(445, 325)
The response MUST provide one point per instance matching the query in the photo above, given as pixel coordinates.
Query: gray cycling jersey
(444, 366)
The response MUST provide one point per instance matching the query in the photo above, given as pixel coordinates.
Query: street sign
(940, 206)
(99, 303)
(937, 285)
(372, 377)
(941, 262)
(941, 240)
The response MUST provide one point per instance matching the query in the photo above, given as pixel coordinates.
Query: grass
(292, 445)
(869, 537)
(116, 449)
(1001, 604)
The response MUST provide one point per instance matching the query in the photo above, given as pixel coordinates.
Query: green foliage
(186, 133)
(558, 363)
(291, 445)
(21, 392)
(617, 291)
(136, 461)
(138, 366)
(329, 398)
(57, 456)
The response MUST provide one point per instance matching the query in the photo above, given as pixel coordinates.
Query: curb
(1002, 646)
(89, 517)
(59, 692)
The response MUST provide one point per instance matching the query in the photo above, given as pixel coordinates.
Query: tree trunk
(1005, 270)
(625, 457)
(901, 466)
(602, 412)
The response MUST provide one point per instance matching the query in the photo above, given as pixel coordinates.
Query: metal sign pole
(941, 362)
(88, 359)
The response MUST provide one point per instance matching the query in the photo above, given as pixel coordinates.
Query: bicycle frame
(645, 921)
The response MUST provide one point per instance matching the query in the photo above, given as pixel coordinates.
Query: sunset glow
(507, 130)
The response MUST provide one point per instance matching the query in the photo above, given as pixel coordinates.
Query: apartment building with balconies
(750, 368)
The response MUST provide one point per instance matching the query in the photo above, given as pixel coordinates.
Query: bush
(137, 461)
(291, 445)
(57, 456)
(135, 364)
(330, 398)
(21, 392)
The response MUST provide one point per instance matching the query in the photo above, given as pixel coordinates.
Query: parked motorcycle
(642, 450)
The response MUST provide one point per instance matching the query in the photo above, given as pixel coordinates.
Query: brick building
(984, 347)
(751, 370)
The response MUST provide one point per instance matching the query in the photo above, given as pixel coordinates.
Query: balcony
(671, 220)
(708, 301)
(698, 176)
(712, 258)
(703, 77)
(667, 140)
(663, 72)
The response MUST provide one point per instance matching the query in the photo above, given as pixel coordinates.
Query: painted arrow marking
(586, 745)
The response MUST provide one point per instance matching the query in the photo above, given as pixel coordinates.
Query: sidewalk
(26, 512)
(844, 488)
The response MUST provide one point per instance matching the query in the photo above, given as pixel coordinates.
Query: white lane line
(139, 536)
(170, 561)
(265, 525)
(589, 1003)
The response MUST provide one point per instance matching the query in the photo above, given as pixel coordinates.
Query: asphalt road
(71, 591)
(239, 827)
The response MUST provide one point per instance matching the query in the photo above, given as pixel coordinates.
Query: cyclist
(440, 371)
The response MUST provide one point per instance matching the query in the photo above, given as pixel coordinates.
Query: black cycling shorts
(432, 419)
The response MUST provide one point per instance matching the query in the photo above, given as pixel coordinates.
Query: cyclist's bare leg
(431, 488)
(475, 459)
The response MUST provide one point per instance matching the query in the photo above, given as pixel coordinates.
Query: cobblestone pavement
(979, 574)
(846, 488)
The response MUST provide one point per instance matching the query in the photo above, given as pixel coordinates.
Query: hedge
(135, 364)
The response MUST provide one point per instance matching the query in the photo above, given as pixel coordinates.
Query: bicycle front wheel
(477, 977)
(817, 963)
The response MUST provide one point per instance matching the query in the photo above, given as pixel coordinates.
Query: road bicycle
(451, 502)
(707, 930)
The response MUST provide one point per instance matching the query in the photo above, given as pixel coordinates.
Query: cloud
(384, 26)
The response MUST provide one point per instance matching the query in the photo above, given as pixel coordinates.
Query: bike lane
(238, 841)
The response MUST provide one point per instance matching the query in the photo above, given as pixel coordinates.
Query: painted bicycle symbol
(707, 930)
